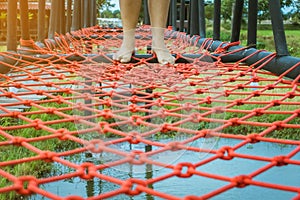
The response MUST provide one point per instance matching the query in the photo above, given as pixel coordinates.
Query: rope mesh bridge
(70, 108)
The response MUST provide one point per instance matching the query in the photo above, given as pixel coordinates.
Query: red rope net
(142, 130)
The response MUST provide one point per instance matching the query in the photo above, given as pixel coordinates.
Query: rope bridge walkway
(69, 112)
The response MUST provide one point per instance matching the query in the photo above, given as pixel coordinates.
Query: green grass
(284, 133)
(37, 168)
(265, 40)
(42, 169)
(267, 96)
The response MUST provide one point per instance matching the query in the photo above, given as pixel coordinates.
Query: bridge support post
(12, 26)
(278, 28)
(217, 20)
(237, 20)
(252, 22)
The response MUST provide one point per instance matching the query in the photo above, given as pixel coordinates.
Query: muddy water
(195, 185)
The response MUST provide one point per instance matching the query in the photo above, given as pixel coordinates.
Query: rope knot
(253, 138)
(280, 160)
(87, 170)
(222, 49)
(241, 181)
(25, 185)
(225, 153)
(184, 170)
(131, 186)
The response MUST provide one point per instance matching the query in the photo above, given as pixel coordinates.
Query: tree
(209, 11)
(117, 14)
(294, 13)
(263, 9)
(107, 14)
(104, 5)
(226, 11)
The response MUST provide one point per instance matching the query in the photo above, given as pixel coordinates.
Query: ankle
(158, 42)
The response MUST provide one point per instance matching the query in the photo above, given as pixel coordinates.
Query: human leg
(158, 11)
(130, 10)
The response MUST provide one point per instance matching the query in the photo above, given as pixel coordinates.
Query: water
(196, 185)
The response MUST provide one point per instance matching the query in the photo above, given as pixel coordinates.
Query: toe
(115, 57)
(125, 59)
(166, 59)
(171, 60)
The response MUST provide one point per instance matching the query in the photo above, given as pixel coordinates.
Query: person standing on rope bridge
(158, 11)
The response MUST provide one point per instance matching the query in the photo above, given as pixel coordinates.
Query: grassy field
(37, 168)
(265, 40)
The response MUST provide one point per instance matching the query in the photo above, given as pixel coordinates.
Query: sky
(116, 2)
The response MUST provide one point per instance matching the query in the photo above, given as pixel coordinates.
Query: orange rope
(101, 110)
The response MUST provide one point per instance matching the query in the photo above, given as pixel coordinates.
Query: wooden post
(62, 17)
(53, 19)
(69, 16)
(76, 15)
(57, 13)
(81, 16)
(41, 20)
(86, 13)
(95, 13)
(12, 25)
(25, 34)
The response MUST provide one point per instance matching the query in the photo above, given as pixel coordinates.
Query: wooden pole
(95, 12)
(12, 25)
(53, 19)
(41, 20)
(57, 13)
(81, 16)
(90, 12)
(62, 17)
(76, 15)
(69, 16)
(86, 13)
(25, 34)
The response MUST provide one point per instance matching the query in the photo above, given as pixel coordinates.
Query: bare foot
(163, 55)
(159, 48)
(127, 48)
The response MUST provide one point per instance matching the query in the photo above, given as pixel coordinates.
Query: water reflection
(195, 185)
(149, 173)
